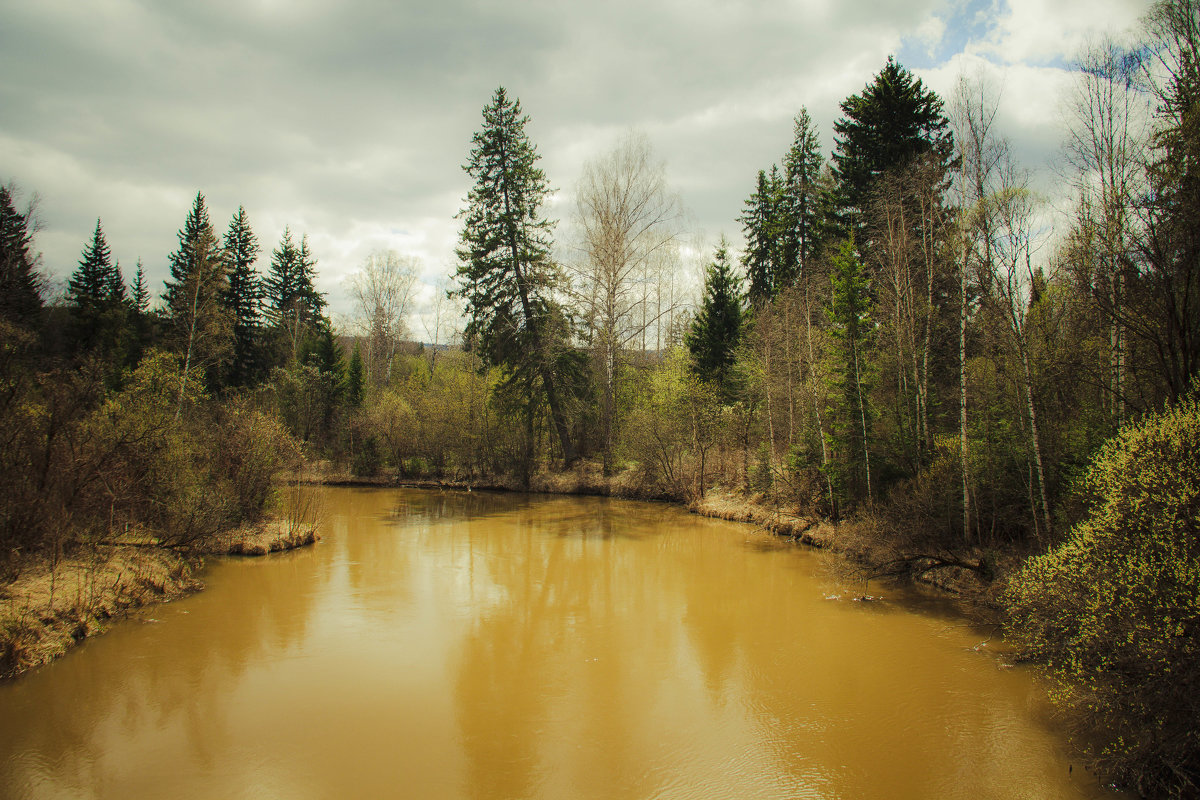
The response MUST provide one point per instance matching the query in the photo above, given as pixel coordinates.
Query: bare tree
(382, 290)
(979, 155)
(628, 220)
(1008, 284)
(439, 319)
(1106, 149)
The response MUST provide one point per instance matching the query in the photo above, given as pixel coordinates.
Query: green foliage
(892, 121)
(98, 302)
(801, 210)
(245, 294)
(674, 429)
(199, 323)
(197, 241)
(505, 273)
(763, 225)
(851, 330)
(1114, 611)
(717, 329)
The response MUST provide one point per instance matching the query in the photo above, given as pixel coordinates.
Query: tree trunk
(962, 396)
(1033, 437)
(812, 374)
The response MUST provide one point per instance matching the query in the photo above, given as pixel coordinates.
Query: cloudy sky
(349, 120)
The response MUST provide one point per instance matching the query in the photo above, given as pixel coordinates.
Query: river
(479, 645)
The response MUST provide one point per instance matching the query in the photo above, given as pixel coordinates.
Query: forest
(910, 343)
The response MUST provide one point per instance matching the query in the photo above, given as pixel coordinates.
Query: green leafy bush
(1115, 610)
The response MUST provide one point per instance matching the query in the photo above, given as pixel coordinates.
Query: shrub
(1115, 610)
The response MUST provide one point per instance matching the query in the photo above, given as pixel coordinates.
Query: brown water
(500, 646)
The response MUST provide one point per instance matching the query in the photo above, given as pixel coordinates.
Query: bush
(1115, 610)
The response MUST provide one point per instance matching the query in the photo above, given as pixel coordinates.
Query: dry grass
(261, 538)
(47, 611)
(737, 507)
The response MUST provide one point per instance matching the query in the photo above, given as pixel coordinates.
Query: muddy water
(499, 646)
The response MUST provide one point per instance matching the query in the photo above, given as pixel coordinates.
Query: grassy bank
(53, 606)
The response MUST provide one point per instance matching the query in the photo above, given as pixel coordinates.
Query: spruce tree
(91, 284)
(761, 226)
(292, 302)
(800, 211)
(892, 121)
(141, 322)
(183, 262)
(280, 287)
(308, 294)
(850, 326)
(20, 283)
(716, 331)
(506, 274)
(199, 323)
(139, 293)
(98, 301)
(245, 294)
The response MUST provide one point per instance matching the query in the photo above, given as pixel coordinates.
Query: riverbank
(867, 554)
(52, 607)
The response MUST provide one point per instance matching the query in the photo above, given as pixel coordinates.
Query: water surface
(453, 645)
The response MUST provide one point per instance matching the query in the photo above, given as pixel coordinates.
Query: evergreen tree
(98, 301)
(717, 329)
(281, 285)
(199, 323)
(894, 120)
(850, 326)
(800, 207)
(96, 283)
(308, 294)
(20, 283)
(761, 225)
(141, 321)
(185, 259)
(139, 294)
(293, 304)
(245, 294)
(505, 271)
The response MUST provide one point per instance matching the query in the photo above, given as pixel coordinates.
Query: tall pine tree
(292, 302)
(139, 292)
(183, 262)
(199, 323)
(717, 329)
(761, 226)
(96, 283)
(98, 301)
(505, 273)
(245, 294)
(892, 121)
(800, 208)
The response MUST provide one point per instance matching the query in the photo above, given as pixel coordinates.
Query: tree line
(902, 343)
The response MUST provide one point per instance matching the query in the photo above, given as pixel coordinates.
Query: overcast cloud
(349, 120)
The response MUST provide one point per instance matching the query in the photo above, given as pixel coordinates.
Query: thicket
(1115, 609)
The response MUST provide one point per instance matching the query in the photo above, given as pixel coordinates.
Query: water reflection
(495, 645)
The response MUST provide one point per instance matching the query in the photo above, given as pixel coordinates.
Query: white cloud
(349, 121)
(1044, 31)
